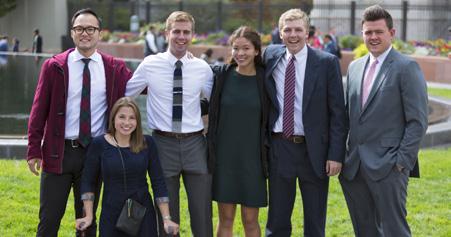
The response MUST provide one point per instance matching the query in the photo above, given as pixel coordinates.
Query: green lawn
(429, 202)
(446, 93)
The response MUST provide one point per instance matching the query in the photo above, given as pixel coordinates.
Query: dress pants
(377, 208)
(187, 158)
(54, 193)
(290, 162)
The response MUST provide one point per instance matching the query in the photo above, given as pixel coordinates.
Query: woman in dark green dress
(236, 135)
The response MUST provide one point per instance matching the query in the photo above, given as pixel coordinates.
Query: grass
(445, 93)
(428, 204)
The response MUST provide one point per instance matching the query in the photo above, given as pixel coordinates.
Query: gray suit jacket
(388, 130)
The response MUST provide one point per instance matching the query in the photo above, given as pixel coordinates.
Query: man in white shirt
(174, 86)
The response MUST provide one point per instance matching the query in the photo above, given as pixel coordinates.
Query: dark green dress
(238, 176)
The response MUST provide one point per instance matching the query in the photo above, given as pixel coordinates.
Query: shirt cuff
(160, 200)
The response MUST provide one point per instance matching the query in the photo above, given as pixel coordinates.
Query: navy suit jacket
(323, 108)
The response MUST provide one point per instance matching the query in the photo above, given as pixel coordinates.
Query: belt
(177, 135)
(72, 143)
(292, 138)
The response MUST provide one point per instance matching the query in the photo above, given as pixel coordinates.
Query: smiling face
(125, 121)
(294, 35)
(243, 52)
(179, 37)
(86, 43)
(377, 36)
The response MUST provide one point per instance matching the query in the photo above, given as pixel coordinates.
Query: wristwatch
(168, 217)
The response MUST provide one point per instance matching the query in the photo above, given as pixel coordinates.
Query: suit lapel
(310, 77)
(269, 80)
(381, 76)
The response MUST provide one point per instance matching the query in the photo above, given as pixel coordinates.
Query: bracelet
(168, 217)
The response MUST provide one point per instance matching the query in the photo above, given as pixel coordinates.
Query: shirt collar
(94, 57)
(172, 59)
(299, 55)
(381, 57)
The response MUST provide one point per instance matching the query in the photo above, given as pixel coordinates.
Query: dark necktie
(288, 98)
(177, 96)
(84, 136)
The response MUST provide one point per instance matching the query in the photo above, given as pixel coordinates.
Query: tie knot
(86, 60)
(292, 58)
(178, 64)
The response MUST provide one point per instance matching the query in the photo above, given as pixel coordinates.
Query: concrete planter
(434, 68)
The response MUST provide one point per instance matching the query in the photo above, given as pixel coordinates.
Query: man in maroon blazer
(75, 92)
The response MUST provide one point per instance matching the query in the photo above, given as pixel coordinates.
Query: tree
(7, 6)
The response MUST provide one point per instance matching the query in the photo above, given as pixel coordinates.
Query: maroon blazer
(48, 112)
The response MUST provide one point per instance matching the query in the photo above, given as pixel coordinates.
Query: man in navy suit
(308, 126)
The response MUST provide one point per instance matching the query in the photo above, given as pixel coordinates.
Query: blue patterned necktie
(177, 96)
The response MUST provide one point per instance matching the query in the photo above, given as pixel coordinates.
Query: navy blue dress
(103, 160)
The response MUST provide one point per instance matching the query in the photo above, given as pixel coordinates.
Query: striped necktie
(177, 98)
(84, 136)
(288, 98)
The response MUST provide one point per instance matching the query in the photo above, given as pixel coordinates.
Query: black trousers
(55, 189)
(290, 162)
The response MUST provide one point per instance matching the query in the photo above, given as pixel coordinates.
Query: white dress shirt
(98, 94)
(279, 77)
(380, 60)
(156, 73)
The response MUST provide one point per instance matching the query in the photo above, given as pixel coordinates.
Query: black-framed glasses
(89, 30)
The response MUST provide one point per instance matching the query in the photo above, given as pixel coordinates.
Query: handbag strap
(122, 161)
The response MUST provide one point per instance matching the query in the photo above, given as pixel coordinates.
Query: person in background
(206, 56)
(161, 41)
(4, 43)
(74, 94)
(174, 85)
(237, 130)
(387, 86)
(150, 46)
(307, 121)
(124, 148)
(16, 44)
(37, 42)
(219, 61)
(275, 35)
(329, 45)
(313, 38)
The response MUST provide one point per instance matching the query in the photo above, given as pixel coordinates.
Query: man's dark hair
(375, 13)
(328, 37)
(36, 31)
(86, 11)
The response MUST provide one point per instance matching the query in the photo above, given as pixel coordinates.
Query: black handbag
(132, 213)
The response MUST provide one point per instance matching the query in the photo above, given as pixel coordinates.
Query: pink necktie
(288, 98)
(368, 81)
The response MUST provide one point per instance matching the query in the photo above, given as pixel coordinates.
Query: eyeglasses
(89, 30)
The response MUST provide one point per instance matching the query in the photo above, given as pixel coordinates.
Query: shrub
(350, 42)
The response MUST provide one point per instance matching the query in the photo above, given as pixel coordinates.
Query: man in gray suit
(387, 107)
